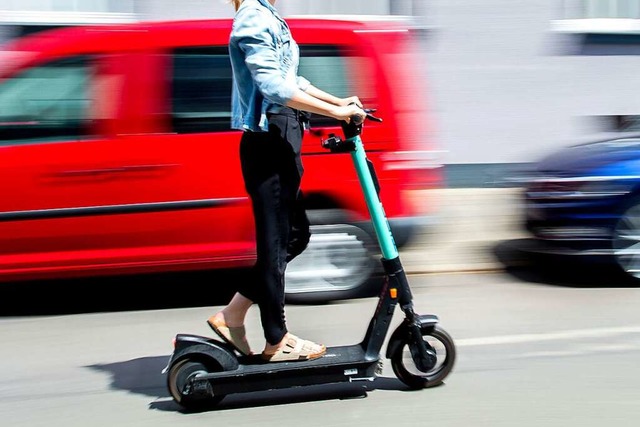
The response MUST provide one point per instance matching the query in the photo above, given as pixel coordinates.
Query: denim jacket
(264, 59)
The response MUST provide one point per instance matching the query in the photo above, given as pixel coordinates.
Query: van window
(201, 84)
(326, 68)
(46, 102)
(201, 90)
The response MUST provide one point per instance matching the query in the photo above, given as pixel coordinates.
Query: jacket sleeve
(252, 34)
(303, 83)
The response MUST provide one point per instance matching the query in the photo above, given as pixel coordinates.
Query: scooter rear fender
(202, 348)
(401, 334)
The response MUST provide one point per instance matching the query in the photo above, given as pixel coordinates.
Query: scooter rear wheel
(179, 381)
(405, 369)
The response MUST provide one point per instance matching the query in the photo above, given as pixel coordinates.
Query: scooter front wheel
(438, 341)
(184, 390)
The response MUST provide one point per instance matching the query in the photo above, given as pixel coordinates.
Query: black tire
(179, 376)
(404, 367)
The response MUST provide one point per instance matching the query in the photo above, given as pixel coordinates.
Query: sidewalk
(470, 222)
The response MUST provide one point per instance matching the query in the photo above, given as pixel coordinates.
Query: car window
(201, 90)
(46, 102)
(326, 67)
(201, 84)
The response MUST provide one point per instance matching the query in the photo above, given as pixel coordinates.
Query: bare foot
(234, 335)
(228, 319)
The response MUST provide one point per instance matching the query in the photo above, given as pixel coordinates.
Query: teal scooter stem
(367, 178)
(352, 143)
(378, 217)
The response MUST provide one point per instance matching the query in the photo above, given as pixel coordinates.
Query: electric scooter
(201, 371)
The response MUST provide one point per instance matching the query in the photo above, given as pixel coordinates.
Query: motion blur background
(510, 80)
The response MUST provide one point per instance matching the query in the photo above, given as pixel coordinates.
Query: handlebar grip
(357, 119)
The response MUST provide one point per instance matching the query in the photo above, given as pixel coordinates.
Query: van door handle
(117, 170)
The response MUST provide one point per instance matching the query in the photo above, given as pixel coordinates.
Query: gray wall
(368, 7)
(504, 88)
(183, 9)
(161, 9)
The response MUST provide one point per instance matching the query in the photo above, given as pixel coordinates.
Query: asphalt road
(533, 350)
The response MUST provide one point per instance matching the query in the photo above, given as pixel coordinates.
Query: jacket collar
(268, 5)
(273, 10)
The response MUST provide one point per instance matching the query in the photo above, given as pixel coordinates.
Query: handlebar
(356, 118)
(351, 130)
(354, 127)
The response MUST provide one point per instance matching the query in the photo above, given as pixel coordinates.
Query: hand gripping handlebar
(351, 129)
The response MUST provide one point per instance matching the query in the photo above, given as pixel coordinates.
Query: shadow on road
(144, 376)
(531, 266)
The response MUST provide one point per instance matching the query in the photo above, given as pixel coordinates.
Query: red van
(116, 154)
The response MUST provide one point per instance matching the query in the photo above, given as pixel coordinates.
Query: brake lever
(373, 118)
(370, 116)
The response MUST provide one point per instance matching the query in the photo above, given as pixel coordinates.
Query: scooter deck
(338, 364)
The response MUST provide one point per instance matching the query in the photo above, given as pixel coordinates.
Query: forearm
(322, 95)
(306, 101)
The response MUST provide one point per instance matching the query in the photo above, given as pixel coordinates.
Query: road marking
(550, 336)
(618, 348)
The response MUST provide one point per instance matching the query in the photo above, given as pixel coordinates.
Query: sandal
(296, 349)
(236, 336)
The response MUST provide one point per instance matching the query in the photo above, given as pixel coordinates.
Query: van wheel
(337, 264)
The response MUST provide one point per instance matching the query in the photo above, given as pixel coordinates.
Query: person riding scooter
(269, 102)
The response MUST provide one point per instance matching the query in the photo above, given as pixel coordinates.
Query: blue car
(584, 201)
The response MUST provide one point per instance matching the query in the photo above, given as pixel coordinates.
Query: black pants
(272, 171)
